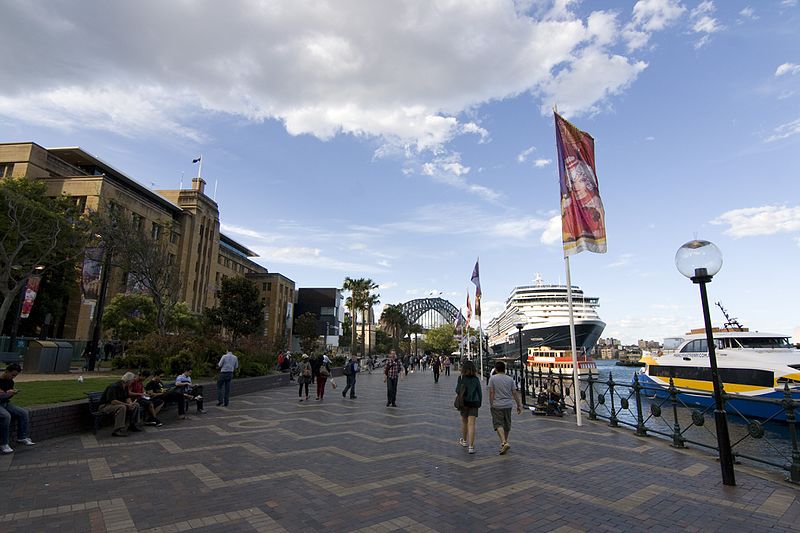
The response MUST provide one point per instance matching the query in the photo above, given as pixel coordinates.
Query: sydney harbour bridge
(430, 312)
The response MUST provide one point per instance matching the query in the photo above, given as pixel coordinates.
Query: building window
(80, 203)
(6, 169)
(269, 286)
(155, 231)
(171, 259)
(173, 237)
(138, 221)
(264, 286)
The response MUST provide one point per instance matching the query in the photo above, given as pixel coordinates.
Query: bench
(94, 410)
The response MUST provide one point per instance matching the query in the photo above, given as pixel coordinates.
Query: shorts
(469, 411)
(501, 418)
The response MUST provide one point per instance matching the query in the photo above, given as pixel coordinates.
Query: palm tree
(354, 301)
(367, 303)
(393, 319)
(416, 329)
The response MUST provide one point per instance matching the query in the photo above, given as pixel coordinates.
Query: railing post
(561, 389)
(789, 405)
(612, 421)
(641, 430)
(677, 439)
(592, 412)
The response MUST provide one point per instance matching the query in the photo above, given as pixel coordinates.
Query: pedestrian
(351, 368)
(227, 364)
(323, 373)
(316, 362)
(304, 376)
(447, 364)
(472, 402)
(436, 365)
(502, 397)
(9, 411)
(391, 375)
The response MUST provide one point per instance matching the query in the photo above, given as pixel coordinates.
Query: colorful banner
(30, 295)
(90, 276)
(469, 314)
(476, 279)
(583, 225)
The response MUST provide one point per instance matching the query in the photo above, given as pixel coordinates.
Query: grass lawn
(45, 392)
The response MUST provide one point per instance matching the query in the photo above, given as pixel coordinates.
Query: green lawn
(45, 392)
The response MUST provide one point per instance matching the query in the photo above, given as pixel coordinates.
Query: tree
(442, 339)
(146, 258)
(370, 300)
(130, 316)
(305, 327)
(239, 311)
(416, 329)
(383, 342)
(353, 302)
(347, 326)
(395, 321)
(35, 231)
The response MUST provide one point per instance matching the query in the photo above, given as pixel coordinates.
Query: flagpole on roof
(200, 167)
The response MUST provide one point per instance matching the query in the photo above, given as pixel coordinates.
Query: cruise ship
(546, 319)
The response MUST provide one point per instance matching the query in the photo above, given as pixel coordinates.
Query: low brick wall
(55, 420)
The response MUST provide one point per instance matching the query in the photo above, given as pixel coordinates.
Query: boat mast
(730, 323)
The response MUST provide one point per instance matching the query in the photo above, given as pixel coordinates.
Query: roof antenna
(730, 322)
(180, 185)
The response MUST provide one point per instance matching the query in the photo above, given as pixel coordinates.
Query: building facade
(187, 219)
(326, 305)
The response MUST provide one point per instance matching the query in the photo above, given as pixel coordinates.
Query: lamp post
(520, 323)
(700, 261)
(93, 347)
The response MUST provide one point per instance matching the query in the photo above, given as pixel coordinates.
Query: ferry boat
(547, 360)
(546, 318)
(751, 364)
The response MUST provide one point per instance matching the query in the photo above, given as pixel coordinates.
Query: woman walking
(322, 377)
(472, 402)
(446, 365)
(305, 376)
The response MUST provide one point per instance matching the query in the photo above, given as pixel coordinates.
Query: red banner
(30, 295)
(583, 225)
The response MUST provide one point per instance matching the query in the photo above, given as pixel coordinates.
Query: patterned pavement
(268, 463)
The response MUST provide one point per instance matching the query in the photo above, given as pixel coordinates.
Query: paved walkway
(269, 463)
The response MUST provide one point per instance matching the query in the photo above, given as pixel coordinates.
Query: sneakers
(26, 441)
(201, 411)
(462, 442)
(120, 433)
(471, 449)
(504, 448)
(5, 448)
(158, 423)
(344, 394)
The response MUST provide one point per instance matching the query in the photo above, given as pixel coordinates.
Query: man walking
(227, 364)
(391, 374)
(502, 396)
(9, 411)
(436, 365)
(351, 368)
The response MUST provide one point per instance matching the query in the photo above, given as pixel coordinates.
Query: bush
(249, 369)
(130, 362)
(338, 360)
(177, 364)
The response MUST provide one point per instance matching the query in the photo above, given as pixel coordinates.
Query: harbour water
(775, 445)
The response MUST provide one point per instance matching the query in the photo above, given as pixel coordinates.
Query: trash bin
(64, 357)
(41, 357)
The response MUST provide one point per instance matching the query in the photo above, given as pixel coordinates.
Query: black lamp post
(523, 367)
(700, 261)
(93, 348)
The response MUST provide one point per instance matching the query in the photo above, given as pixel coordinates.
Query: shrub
(177, 364)
(130, 362)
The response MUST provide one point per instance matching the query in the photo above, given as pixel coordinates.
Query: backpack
(348, 369)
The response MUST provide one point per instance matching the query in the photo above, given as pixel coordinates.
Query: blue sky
(401, 140)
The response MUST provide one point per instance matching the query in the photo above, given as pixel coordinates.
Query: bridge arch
(413, 310)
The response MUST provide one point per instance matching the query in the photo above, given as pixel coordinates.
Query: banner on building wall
(91, 274)
(30, 295)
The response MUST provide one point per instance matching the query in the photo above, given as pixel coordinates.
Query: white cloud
(789, 3)
(247, 232)
(523, 155)
(787, 68)
(388, 285)
(749, 13)
(784, 131)
(649, 138)
(449, 170)
(623, 260)
(765, 220)
(552, 232)
(650, 16)
(405, 73)
(703, 22)
(310, 257)
(539, 163)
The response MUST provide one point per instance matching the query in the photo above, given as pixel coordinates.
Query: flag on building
(476, 279)
(197, 160)
(583, 225)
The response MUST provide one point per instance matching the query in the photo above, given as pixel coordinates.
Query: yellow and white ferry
(751, 364)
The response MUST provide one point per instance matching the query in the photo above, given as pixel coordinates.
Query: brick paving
(269, 463)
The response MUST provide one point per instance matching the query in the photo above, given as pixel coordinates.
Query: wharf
(269, 463)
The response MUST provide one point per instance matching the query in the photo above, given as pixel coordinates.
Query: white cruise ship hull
(556, 336)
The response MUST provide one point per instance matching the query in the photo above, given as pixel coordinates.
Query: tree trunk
(363, 339)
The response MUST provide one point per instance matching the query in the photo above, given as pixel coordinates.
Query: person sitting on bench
(158, 393)
(148, 404)
(115, 400)
(9, 411)
(183, 383)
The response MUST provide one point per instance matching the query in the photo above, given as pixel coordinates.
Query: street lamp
(700, 261)
(520, 323)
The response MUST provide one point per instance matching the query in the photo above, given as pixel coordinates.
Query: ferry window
(699, 345)
(764, 342)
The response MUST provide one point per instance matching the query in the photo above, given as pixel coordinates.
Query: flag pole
(480, 342)
(575, 375)
(200, 167)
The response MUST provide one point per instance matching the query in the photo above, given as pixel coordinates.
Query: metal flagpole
(480, 343)
(575, 375)
(200, 167)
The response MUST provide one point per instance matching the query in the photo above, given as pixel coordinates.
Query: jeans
(224, 382)
(351, 386)
(391, 390)
(7, 411)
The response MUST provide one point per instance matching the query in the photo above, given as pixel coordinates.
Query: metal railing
(648, 409)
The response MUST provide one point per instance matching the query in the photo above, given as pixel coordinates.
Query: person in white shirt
(227, 364)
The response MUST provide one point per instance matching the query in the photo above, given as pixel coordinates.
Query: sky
(402, 140)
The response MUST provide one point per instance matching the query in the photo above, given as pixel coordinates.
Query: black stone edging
(55, 420)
